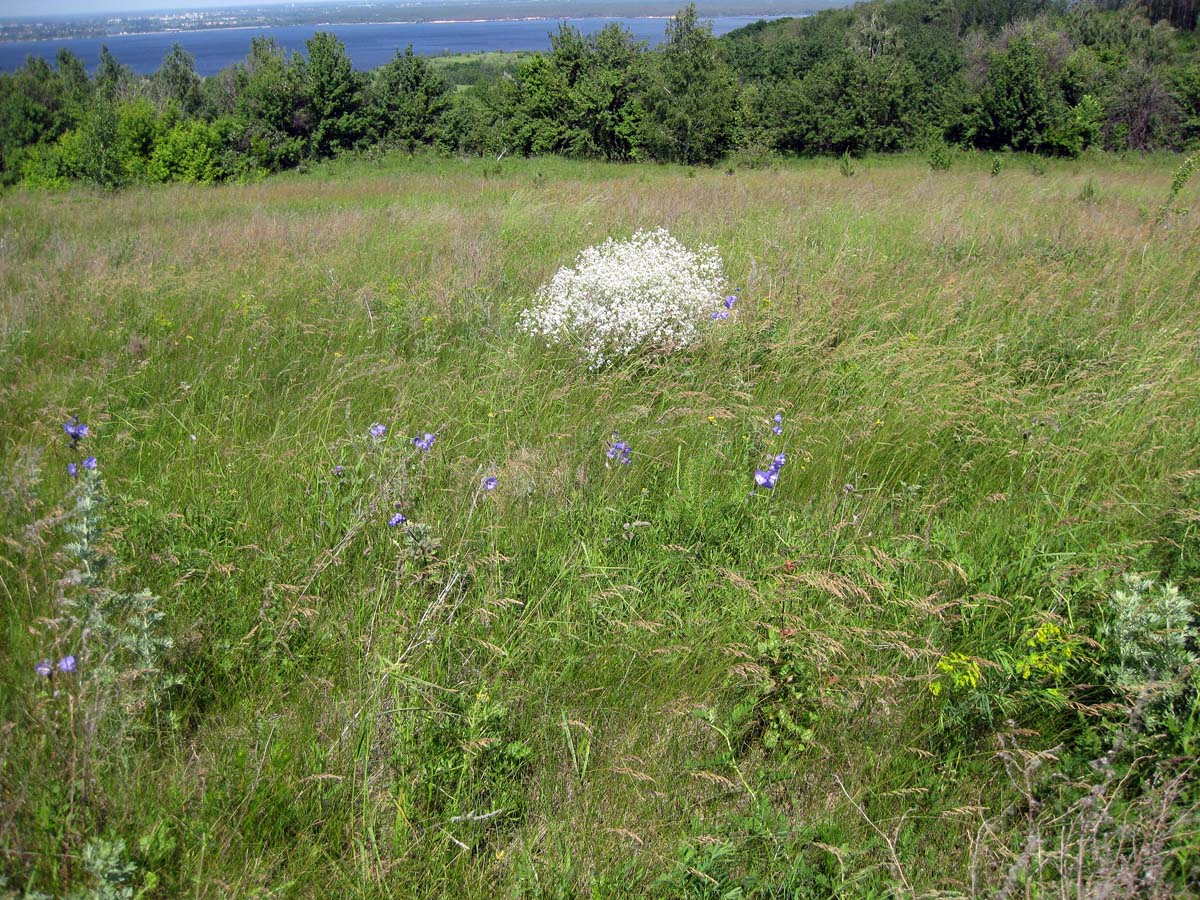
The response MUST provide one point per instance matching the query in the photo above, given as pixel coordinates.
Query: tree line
(1043, 76)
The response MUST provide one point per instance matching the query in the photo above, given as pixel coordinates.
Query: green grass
(992, 406)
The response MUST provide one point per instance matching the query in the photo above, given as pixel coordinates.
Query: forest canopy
(890, 75)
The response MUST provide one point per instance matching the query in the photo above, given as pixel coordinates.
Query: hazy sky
(58, 7)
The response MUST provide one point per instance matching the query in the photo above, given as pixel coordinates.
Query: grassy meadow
(595, 681)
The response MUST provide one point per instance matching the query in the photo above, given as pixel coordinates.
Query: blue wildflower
(339, 471)
(75, 430)
(489, 483)
(730, 300)
(721, 314)
(424, 443)
(397, 519)
(44, 668)
(72, 469)
(766, 479)
(377, 431)
(777, 428)
(66, 664)
(619, 450)
(90, 463)
(779, 462)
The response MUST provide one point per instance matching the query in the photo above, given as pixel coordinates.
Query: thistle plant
(622, 297)
(1147, 638)
(119, 633)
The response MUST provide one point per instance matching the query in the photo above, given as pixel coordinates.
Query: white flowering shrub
(623, 296)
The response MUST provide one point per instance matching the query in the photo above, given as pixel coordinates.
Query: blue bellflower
(489, 483)
(75, 430)
(424, 443)
(397, 519)
(377, 431)
(619, 450)
(66, 664)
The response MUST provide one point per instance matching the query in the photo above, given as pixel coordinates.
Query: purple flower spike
(90, 463)
(424, 443)
(730, 300)
(397, 519)
(766, 479)
(377, 431)
(72, 470)
(75, 430)
(66, 664)
(489, 483)
(44, 668)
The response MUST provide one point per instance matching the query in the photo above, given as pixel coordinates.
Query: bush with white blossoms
(623, 296)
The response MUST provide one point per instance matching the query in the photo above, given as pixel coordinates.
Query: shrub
(940, 157)
(649, 292)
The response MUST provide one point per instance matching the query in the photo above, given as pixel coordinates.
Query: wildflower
(44, 668)
(72, 469)
(779, 461)
(339, 471)
(377, 431)
(721, 314)
(730, 300)
(619, 450)
(777, 428)
(75, 430)
(489, 483)
(90, 463)
(397, 519)
(649, 291)
(766, 479)
(66, 664)
(424, 443)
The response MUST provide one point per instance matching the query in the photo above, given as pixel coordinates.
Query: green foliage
(109, 869)
(1148, 636)
(940, 158)
(93, 152)
(1014, 106)
(187, 151)
(955, 672)
(846, 165)
(690, 95)
(1077, 129)
(779, 711)
(176, 82)
(405, 101)
(331, 94)
(1178, 182)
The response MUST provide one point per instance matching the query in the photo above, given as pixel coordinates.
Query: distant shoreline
(330, 24)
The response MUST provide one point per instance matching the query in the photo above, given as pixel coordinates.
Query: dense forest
(1028, 75)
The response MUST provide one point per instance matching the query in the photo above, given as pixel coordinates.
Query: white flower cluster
(623, 296)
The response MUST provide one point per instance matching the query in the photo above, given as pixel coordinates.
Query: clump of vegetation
(648, 292)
